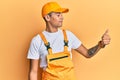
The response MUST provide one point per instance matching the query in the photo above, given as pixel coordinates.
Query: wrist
(101, 44)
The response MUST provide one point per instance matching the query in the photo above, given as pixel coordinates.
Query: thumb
(106, 32)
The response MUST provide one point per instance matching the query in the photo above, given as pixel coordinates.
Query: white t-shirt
(37, 49)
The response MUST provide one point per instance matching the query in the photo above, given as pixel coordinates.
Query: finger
(106, 37)
(106, 42)
(106, 32)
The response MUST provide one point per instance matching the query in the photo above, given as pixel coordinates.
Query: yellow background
(20, 20)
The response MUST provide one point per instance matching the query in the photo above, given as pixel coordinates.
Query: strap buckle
(47, 45)
(65, 43)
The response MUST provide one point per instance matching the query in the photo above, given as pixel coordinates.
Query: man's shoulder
(69, 32)
(36, 38)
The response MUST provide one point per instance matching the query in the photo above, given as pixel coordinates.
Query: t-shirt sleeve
(75, 42)
(33, 51)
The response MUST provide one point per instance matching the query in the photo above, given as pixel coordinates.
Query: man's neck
(51, 29)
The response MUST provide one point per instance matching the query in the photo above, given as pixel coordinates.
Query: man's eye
(58, 15)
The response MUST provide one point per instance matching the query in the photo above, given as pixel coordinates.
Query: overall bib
(60, 66)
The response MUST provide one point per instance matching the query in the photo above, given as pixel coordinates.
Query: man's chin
(60, 26)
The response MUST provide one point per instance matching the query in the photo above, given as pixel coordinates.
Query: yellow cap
(53, 7)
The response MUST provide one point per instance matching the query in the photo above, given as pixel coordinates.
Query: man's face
(56, 19)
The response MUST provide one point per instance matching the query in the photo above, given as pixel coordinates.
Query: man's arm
(92, 51)
(33, 69)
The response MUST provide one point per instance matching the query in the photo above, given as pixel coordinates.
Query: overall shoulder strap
(65, 41)
(47, 44)
(43, 38)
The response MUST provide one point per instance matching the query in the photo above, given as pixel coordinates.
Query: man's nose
(61, 17)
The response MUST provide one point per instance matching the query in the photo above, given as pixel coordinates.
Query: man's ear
(47, 17)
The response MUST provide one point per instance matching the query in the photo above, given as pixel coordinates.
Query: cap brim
(62, 10)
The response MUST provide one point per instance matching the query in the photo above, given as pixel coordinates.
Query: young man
(53, 47)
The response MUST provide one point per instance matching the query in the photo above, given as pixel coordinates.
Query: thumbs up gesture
(105, 38)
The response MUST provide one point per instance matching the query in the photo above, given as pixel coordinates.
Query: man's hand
(105, 38)
(93, 50)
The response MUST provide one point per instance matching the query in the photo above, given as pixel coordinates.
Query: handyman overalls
(60, 66)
